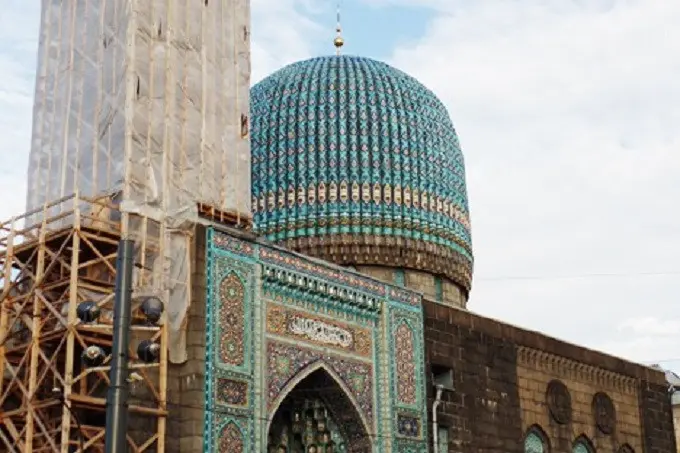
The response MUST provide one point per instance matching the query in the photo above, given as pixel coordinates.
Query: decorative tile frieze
(318, 270)
(288, 280)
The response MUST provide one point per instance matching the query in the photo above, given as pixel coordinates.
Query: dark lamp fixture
(93, 356)
(88, 311)
(152, 308)
(148, 351)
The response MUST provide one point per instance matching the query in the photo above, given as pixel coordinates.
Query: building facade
(333, 325)
(335, 321)
(293, 352)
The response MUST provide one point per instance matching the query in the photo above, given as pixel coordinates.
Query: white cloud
(567, 113)
(568, 117)
(650, 325)
(284, 31)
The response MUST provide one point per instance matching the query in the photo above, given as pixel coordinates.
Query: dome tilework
(358, 163)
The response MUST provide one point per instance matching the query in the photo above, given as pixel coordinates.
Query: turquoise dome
(358, 163)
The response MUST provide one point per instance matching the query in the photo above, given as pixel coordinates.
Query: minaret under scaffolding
(140, 131)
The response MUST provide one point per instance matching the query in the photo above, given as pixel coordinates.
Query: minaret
(146, 103)
(141, 133)
(146, 99)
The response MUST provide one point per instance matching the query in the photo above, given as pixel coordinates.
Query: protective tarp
(148, 98)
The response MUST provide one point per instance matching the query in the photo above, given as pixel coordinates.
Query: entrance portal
(317, 416)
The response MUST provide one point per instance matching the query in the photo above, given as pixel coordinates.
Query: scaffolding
(49, 401)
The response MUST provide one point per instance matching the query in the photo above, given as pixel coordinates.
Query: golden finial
(338, 42)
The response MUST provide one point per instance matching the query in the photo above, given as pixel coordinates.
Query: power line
(576, 276)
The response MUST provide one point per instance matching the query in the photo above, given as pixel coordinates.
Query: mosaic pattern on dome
(350, 148)
(284, 362)
(318, 330)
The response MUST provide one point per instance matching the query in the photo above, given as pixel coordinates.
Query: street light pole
(118, 394)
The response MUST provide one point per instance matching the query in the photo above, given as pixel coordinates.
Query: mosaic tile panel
(230, 283)
(284, 362)
(405, 364)
(231, 298)
(407, 377)
(231, 314)
(231, 392)
(266, 334)
(408, 425)
(319, 330)
(405, 446)
(231, 439)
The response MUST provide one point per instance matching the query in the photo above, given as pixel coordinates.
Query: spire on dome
(338, 42)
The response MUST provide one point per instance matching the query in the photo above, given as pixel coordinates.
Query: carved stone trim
(569, 369)
(559, 401)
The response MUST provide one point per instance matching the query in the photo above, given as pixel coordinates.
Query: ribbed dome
(358, 163)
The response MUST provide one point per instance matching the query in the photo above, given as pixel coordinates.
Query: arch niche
(317, 414)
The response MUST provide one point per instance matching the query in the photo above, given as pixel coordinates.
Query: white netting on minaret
(147, 99)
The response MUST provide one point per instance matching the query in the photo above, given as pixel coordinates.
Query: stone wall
(423, 282)
(676, 424)
(502, 375)
(657, 414)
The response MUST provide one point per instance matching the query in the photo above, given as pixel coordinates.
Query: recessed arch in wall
(582, 444)
(536, 440)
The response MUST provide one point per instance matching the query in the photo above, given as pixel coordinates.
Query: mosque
(330, 313)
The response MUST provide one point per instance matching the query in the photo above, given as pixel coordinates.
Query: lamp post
(147, 351)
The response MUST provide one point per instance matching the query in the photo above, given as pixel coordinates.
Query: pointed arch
(583, 444)
(304, 373)
(536, 440)
(625, 448)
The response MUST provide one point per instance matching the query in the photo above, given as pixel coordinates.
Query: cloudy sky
(568, 112)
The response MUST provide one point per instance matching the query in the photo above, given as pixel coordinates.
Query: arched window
(535, 441)
(582, 445)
